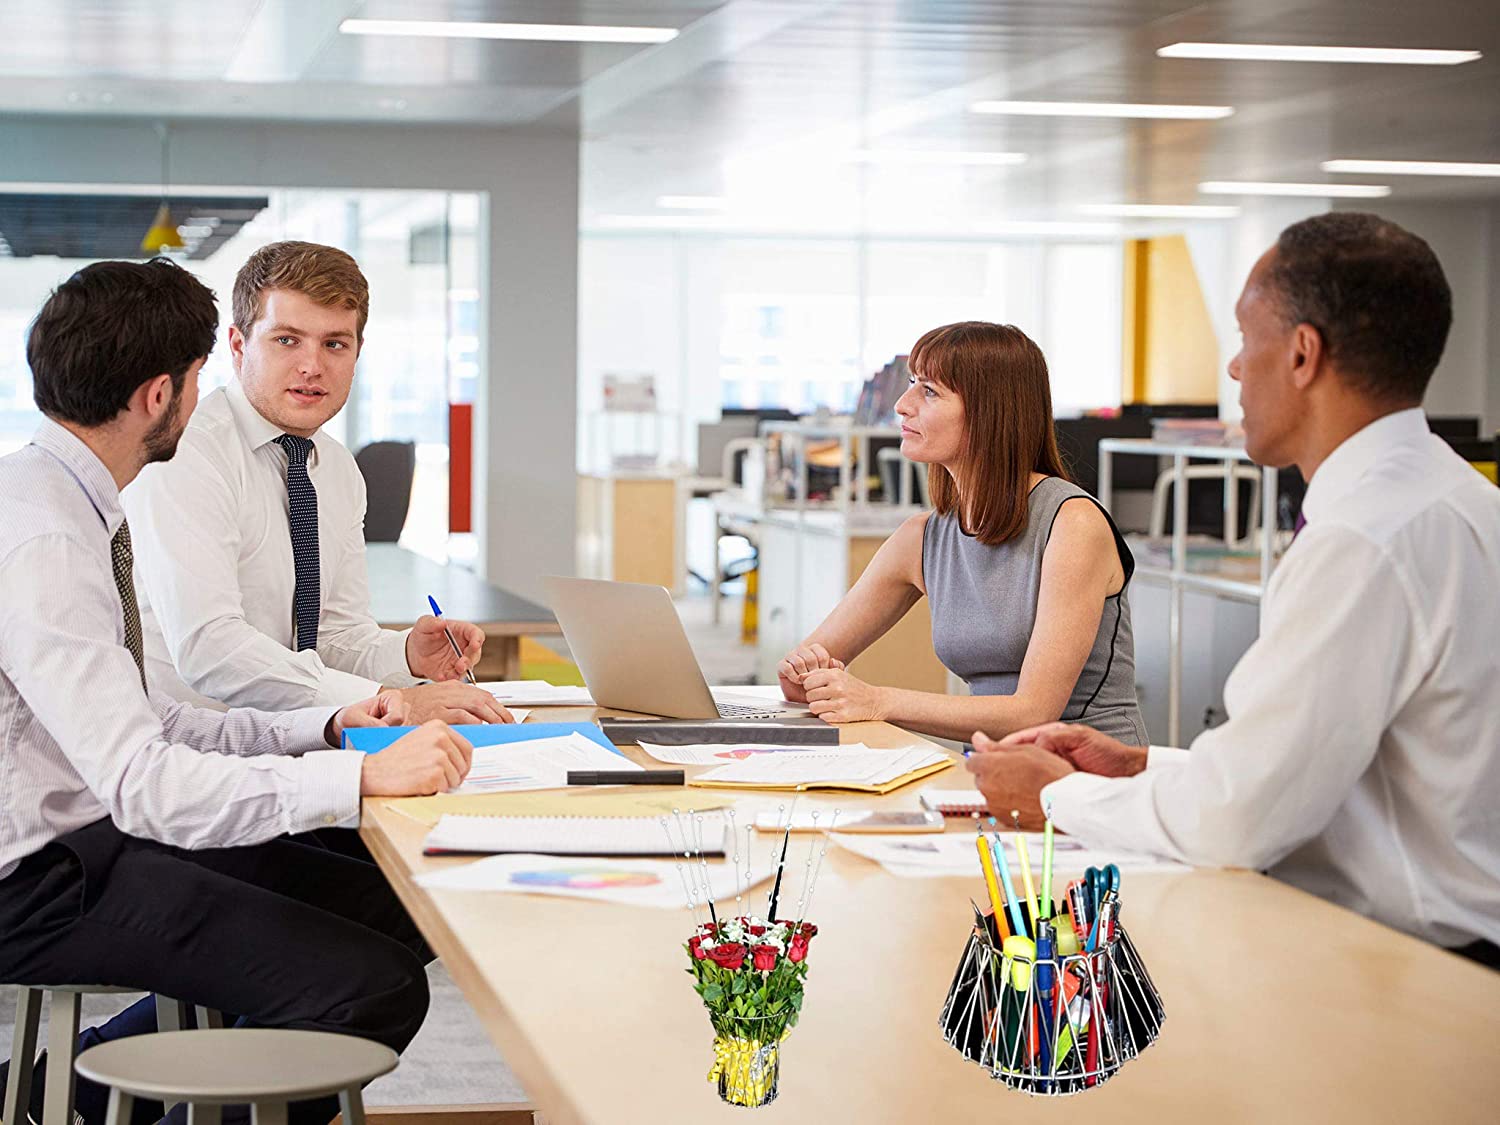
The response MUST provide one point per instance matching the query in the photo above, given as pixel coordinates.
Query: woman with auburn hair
(1026, 589)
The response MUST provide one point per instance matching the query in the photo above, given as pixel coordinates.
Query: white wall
(1464, 235)
(525, 417)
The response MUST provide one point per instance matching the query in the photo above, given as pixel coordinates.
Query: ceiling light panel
(1315, 191)
(1412, 167)
(1269, 52)
(1104, 109)
(1160, 210)
(530, 32)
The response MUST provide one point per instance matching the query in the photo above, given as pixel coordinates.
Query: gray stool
(62, 1044)
(209, 1069)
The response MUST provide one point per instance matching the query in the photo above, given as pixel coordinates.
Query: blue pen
(997, 849)
(458, 652)
(1044, 984)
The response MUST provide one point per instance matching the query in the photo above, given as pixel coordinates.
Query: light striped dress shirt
(1361, 757)
(79, 740)
(215, 574)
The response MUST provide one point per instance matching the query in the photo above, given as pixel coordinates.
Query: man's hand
(1013, 778)
(431, 759)
(452, 703)
(837, 697)
(383, 710)
(1082, 747)
(430, 656)
(795, 666)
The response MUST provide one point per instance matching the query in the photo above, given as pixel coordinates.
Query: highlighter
(1025, 858)
(987, 865)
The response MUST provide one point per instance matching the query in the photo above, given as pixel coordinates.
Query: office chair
(388, 468)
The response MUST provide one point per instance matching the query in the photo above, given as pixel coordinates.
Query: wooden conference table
(1280, 1007)
(401, 580)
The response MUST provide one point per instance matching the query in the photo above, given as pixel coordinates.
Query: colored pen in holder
(1048, 1023)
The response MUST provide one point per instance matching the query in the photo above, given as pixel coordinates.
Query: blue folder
(373, 739)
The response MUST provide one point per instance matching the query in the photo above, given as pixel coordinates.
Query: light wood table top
(1280, 1007)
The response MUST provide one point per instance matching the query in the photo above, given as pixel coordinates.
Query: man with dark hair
(144, 842)
(1361, 757)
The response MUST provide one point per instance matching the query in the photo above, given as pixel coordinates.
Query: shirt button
(330, 820)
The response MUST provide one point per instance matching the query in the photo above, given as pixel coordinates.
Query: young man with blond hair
(250, 543)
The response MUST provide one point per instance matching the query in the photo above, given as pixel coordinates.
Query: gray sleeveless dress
(983, 601)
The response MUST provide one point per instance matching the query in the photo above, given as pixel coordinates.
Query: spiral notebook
(564, 835)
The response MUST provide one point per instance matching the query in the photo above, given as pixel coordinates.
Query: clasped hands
(810, 674)
(1011, 772)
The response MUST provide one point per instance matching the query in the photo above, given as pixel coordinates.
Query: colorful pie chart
(584, 878)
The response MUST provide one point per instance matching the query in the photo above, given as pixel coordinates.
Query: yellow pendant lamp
(163, 232)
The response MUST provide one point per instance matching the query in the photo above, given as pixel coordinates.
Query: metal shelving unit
(1176, 577)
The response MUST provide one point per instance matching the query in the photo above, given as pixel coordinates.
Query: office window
(421, 344)
(750, 322)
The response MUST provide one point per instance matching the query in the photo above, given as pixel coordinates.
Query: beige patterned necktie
(120, 555)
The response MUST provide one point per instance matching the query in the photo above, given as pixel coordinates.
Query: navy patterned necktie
(302, 512)
(123, 561)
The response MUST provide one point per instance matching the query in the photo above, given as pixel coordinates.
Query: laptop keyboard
(743, 711)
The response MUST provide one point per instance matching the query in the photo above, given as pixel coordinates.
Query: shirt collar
(256, 429)
(1361, 451)
(83, 464)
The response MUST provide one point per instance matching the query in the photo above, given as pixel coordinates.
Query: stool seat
(236, 1065)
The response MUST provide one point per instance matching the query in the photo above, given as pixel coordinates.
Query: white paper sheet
(541, 763)
(537, 693)
(825, 765)
(635, 882)
(953, 853)
(706, 754)
(643, 836)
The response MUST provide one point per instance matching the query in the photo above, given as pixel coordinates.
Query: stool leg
(268, 1113)
(171, 1015)
(120, 1106)
(208, 1018)
(22, 1054)
(62, 1049)
(352, 1106)
(202, 1114)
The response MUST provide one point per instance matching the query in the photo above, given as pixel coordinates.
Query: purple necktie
(1298, 526)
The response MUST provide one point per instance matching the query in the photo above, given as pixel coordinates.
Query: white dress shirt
(1361, 757)
(215, 578)
(79, 740)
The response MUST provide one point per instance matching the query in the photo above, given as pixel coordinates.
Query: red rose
(708, 928)
(695, 947)
(797, 951)
(765, 957)
(756, 931)
(809, 930)
(730, 955)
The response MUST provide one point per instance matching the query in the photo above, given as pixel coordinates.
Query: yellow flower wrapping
(748, 1075)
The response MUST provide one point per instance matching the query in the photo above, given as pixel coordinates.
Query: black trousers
(288, 934)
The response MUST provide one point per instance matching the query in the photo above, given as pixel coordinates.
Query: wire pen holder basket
(1054, 1025)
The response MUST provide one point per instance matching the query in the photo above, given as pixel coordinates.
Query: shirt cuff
(1157, 756)
(329, 792)
(392, 667)
(342, 688)
(305, 728)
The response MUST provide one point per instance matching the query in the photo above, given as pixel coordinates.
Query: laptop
(634, 654)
